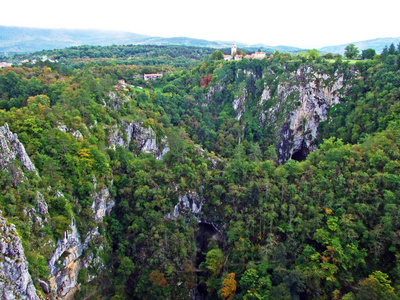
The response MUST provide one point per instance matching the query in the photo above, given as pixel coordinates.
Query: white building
(151, 76)
(233, 49)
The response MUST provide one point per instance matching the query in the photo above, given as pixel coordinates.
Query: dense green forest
(323, 226)
(147, 55)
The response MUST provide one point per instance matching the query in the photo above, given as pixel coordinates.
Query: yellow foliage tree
(228, 287)
(84, 155)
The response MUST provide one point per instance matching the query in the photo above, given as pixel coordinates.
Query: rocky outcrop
(143, 138)
(189, 204)
(212, 90)
(301, 102)
(64, 264)
(69, 258)
(41, 204)
(162, 149)
(75, 133)
(116, 100)
(12, 149)
(102, 203)
(239, 103)
(15, 280)
(134, 135)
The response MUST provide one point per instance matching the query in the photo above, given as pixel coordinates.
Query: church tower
(233, 49)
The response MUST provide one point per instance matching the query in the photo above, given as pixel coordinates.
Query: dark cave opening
(300, 154)
(203, 236)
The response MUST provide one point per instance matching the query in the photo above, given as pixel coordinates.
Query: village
(232, 56)
(235, 56)
(4, 64)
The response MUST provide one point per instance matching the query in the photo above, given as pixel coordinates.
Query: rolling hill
(21, 39)
(376, 44)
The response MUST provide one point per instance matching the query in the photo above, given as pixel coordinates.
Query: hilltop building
(233, 49)
(234, 56)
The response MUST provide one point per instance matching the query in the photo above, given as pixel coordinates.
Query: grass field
(350, 61)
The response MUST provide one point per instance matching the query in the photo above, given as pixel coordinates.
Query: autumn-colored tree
(376, 286)
(240, 52)
(228, 287)
(206, 81)
(158, 278)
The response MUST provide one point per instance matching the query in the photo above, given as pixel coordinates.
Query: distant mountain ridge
(24, 39)
(376, 44)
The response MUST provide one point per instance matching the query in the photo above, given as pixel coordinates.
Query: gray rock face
(64, 264)
(68, 258)
(143, 138)
(303, 99)
(212, 90)
(239, 103)
(116, 100)
(163, 149)
(41, 204)
(188, 204)
(102, 203)
(11, 149)
(75, 133)
(15, 280)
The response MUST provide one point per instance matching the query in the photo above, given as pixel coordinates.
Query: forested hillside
(253, 179)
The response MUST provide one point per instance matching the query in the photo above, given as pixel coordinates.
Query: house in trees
(256, 55)
(4, 64)
(154, 76)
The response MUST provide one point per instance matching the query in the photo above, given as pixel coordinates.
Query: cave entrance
(300, 154)
(205, 233)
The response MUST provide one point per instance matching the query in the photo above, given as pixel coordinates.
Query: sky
(306, 24)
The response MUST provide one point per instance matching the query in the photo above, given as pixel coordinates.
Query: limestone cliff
(299, 103)
(64, 265)
(133, 134)
(290, 106)
(15, 280)
(11, 149)
(68, 255)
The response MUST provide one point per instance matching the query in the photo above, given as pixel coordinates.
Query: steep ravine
(15, 280)
(68, 254)
(290, 106)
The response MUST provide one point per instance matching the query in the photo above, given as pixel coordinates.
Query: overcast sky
(307, 23)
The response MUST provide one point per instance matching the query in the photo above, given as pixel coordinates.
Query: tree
(206, 81)
(376, 286)
(368, 53)
(351, 51)
(158, 278)
(217, 55)
(255, 286)
(392, 49)
(215, 261)
(312, 54)
(228, 287)
(240, 52)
